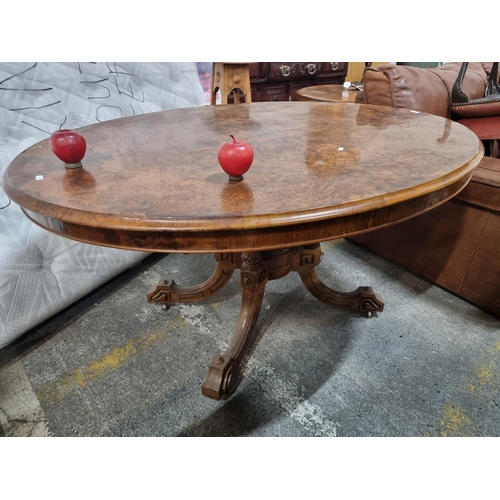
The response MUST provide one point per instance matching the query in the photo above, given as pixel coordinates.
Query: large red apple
(69, 146)
(235, 158)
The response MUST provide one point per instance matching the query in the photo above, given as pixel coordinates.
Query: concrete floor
(114, 365)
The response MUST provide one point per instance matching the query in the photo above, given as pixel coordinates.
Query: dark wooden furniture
(280, 81)
(327, 93)
(321, 171)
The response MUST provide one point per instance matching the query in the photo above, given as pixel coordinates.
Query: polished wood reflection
(149, 175)
(321, 171)
(327, 93)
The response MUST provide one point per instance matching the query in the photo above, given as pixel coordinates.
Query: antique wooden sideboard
(280, 81)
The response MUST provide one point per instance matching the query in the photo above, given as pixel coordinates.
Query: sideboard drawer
(291, 70)
(333, 67)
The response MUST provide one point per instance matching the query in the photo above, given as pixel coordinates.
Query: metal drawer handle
(311, 68)
(285, 70)
(334, 66)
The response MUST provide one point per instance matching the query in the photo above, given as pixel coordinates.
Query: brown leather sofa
(457, 244)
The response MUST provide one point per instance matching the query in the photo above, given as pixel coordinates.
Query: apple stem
(232, 136)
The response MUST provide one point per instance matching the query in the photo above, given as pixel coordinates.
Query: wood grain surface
(321, 171)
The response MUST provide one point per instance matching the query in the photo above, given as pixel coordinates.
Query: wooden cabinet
(280, 81)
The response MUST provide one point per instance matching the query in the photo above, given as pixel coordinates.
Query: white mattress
(41, 273)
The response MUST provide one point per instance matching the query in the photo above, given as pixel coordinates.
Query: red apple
(235, 158)
(69, 146)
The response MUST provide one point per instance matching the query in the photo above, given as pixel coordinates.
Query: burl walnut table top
(152, 182)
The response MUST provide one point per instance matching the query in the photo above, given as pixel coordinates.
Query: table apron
(259, 238)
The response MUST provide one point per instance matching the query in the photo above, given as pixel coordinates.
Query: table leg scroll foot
(222, 371)
(168, 291)
(363, 299)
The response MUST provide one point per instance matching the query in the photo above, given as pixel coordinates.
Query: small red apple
(235, 158)
(69, 146)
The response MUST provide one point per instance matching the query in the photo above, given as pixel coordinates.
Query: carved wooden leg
(223, 369)
(166, 292)
(363, 298)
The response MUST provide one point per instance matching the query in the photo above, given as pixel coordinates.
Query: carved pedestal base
(256, 269)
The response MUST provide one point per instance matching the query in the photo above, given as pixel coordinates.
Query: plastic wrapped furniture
(41, 273)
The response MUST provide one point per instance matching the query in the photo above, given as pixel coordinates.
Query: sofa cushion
(421, 89)
(483, 188)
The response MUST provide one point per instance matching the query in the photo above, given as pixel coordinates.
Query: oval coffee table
(326, 93)
(321, 171)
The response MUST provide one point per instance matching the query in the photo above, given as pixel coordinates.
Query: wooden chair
(482, 116)
(230, 78)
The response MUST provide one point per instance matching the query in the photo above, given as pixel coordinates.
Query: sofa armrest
(421, 89)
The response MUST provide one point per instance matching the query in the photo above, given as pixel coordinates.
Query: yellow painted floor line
(483, 380)
(454, 422)
(486, 373)
(55, 390)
